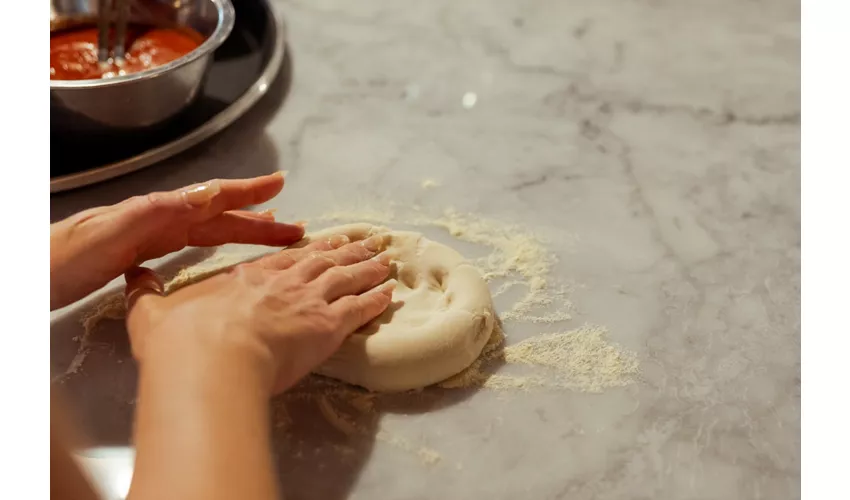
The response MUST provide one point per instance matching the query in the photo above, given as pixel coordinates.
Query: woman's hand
(93, 247)
(211, 354)
(289, 311)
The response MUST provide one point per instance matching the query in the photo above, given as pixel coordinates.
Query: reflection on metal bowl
(146, 99)
(110, 469)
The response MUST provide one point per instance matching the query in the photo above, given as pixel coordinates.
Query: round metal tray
(241, 72)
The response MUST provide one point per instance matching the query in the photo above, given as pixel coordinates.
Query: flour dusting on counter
(516, 255)
(578, 360)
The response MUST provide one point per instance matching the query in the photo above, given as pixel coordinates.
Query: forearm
(202, 426)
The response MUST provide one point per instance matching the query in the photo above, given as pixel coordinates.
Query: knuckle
(285, 259)
(293, 254)
(354, 307)
(340, 273)
(350, 253)
(312, 306)
(321, 257)
(349, 249)
(368, 272)
(359, 312)
(319, 245)
(360, 251)
(288, 283)
(155, 200)
(373, 299)
(284, 295)
(377, 268)
(141, 204)
(369, 302)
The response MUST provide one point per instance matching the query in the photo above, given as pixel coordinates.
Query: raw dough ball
(440, 318)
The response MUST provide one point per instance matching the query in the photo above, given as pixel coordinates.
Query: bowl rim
(226, 21)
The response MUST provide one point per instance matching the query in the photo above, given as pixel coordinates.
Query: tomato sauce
(73, 52)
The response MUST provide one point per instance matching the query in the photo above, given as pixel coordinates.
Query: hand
(285, 313)
(93, 247)
(212, 353)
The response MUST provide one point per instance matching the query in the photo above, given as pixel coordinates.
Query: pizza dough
(436, 326)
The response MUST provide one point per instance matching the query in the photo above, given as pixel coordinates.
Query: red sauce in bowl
(73, 52)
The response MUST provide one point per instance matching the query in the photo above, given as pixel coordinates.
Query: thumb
(143, 284)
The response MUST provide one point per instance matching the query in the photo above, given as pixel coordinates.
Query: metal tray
(241, 72)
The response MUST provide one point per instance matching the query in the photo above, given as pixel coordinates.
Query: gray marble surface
(661, 137)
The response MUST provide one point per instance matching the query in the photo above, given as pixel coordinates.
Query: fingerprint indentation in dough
(482, 327)
(440, 278)
(407, 276)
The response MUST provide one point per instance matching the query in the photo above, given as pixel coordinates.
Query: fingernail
(202, 194)
(301, 223)
(373, 243)
(382, 258)
(283, 173)
(388, 287)
(264, 215)
(268, 214)
(338, 240)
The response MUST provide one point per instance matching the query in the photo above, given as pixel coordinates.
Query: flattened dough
(440, 318)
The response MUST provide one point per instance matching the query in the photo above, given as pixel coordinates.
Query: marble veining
(661, 136)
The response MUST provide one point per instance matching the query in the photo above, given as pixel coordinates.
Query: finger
(240, 193)
(358, 251)
(357, 310)
(312, 266)
(142, 284)
(262, 215)
(287, 258)
(354, 279)
(237, 227)
(203, 201)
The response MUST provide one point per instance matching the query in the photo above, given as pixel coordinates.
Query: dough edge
(420, 358)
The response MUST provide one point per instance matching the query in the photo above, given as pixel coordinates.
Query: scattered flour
(111, 306)
(579, 360)
(516, 255)
(205, 269)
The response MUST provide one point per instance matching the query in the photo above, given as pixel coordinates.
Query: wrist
(206, 358)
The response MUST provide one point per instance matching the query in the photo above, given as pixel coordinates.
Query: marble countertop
(660, 138)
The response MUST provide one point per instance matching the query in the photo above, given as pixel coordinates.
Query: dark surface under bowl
(236, 66)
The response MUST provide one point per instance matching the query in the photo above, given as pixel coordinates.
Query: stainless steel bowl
(141, 100)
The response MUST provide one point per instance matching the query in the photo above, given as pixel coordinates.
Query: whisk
(109, 11)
